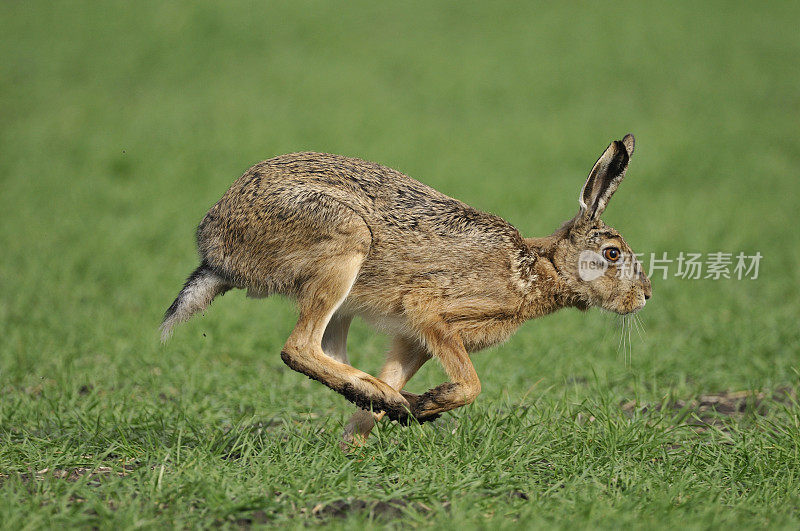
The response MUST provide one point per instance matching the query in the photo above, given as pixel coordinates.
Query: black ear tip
(630, 143)
(621, 158)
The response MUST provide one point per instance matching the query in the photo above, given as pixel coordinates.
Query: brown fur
(346, 237)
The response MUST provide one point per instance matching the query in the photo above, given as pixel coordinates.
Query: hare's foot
(386, 401)
(358, 428)
(404, 360)
(419, 414)
(365, 391)
(431, 404)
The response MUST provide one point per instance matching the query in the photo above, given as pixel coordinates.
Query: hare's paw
(429, 405)
(416, 414)
(435, 401)
(372, 394)
(365, 391)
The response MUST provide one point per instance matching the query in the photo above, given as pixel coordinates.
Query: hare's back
(310, 192)
(390, 202)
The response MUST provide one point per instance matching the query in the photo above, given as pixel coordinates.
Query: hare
(346, 237)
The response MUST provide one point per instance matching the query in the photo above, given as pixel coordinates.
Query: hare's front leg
(402, 363)
(464, 385)
(319, 299)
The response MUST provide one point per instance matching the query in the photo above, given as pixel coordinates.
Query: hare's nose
(647, 289)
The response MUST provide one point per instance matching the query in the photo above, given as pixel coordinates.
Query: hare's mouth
(639, 307)
(628, 309)
(636, 309)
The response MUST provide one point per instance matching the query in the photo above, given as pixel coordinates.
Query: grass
(121, 123)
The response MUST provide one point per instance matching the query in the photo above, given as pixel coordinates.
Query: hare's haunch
(345, 237)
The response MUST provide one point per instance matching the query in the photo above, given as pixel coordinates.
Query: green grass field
(121, 123)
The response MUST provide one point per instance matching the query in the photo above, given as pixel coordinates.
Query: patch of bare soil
(713, 409)
(254, 518)
(95, 474)
(393, 508)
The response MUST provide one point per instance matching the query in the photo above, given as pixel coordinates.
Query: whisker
(641, 322)
(625, 340)
(622, 347)
(626, 323)
(630, 345)
(639, 329)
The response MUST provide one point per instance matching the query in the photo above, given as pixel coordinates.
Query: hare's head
(595, 262)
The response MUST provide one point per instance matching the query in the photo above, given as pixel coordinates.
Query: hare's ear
(605, 177)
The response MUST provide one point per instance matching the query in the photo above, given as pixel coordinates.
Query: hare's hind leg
(404, 360)
(334, 340)
(318, 301)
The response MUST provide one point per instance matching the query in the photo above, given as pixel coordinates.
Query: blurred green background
(122, 122)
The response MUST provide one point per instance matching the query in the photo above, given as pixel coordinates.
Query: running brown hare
(346, 237)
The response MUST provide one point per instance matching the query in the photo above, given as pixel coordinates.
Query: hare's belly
(478, 330)
(396, 325)
(474, 337)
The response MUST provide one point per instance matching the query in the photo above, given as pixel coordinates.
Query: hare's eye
(611, 254)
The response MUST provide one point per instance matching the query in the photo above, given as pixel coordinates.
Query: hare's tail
(200, 289)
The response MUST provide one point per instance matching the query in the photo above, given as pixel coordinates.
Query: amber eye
(611, 254)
